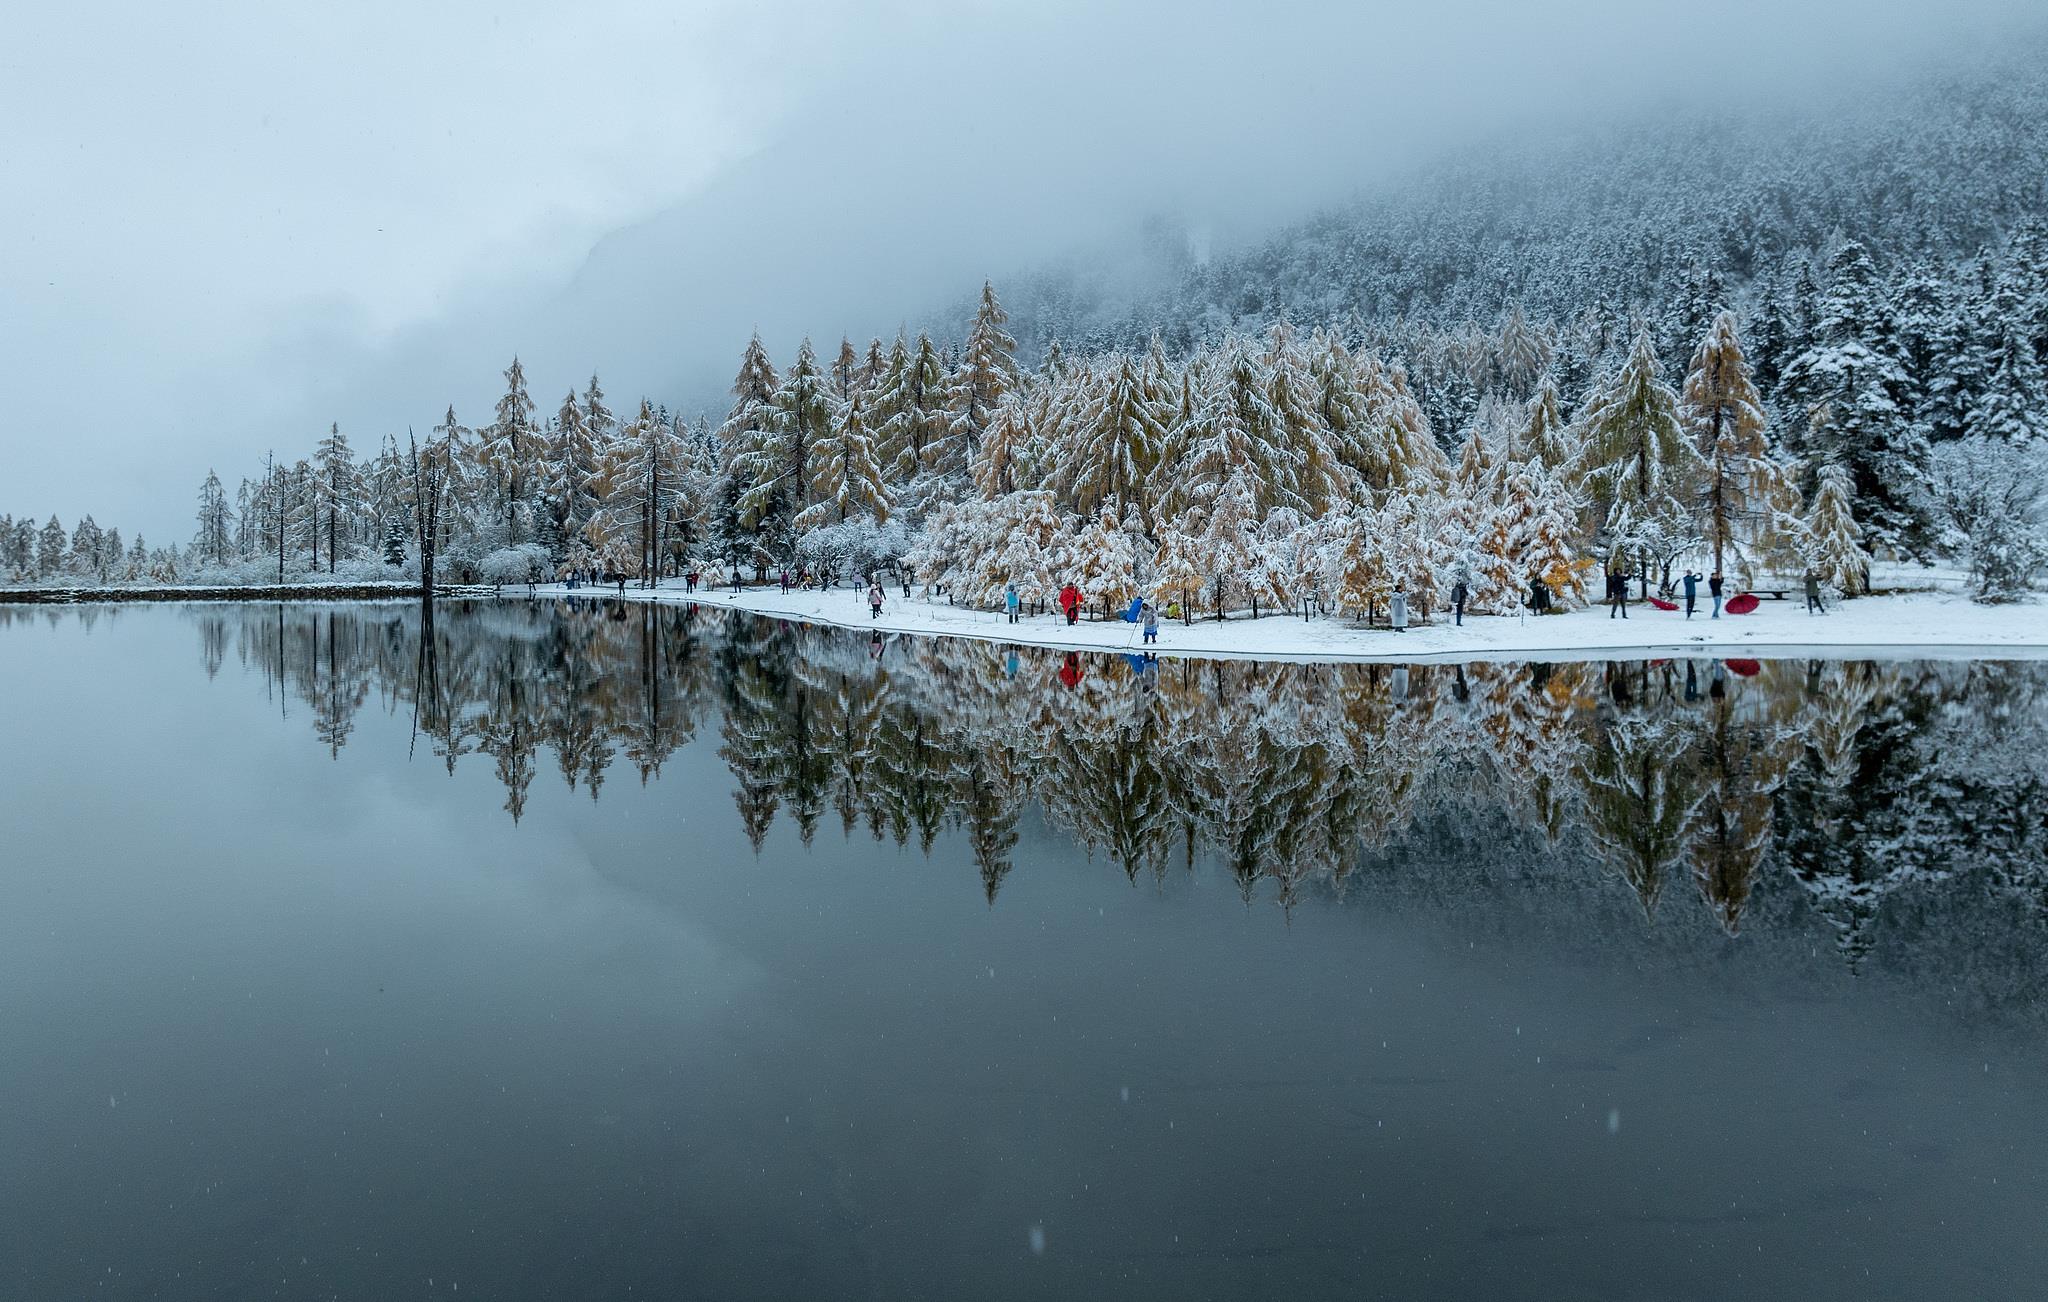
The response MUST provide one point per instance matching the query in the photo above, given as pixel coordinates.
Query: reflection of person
(875, 644)
(1070, 669)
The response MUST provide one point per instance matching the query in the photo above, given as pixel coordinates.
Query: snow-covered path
(1914, 626)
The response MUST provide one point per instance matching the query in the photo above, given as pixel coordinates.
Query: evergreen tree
(213, 542)
(1636, 463)
(85, 548)
(776, 467)
(510, 454)
(845, 477)
(987, 371)
(1850, 376)
(572, 462)
(1834, 540)
(1544, 436)
(51, 550)
(846, 370)
(2012, 403)
(1724, 414)
(1109, 445)
(338, 490)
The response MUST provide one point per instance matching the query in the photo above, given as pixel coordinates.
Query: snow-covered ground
(1915, 625)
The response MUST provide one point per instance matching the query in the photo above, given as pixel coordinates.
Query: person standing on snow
(1692, 590)
(1714, 591)
(1148, 614)
(874, 601)
(1459, 591)
(1070, 601)
(1397, 614)
(1617, 594)
(1813, 594)
(1011, 601)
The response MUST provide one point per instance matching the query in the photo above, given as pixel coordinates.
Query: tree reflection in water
(1854, 778)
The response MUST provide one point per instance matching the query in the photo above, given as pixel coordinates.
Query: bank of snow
(1917, 625)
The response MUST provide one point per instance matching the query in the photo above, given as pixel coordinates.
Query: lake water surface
(605, 951)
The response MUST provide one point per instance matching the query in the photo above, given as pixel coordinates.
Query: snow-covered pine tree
(1524, 351)
(1109, 445)
(1992, 503)
(1834, 540)
(1544, 436)
(454, 451)
(1414, 461)
(1102, 565)
(1849, 371)
(2012, 402)
(1724, 414)
(1635, 462)
(52, 550)
(214, 540)
(1274, 463)
(338, 492)
(1542, 515)
(1227, 545)
(1006, 444)
(1354, 562)
(845, 478)
(1319, 475)
(987, 371)
(84, 559)
(510, 454)
(572, 459)
(1181, 571)
(1344, 409)
(845, 370)
(775, 469)
(641, 482)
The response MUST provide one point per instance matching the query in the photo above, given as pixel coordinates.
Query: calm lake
(605, 951)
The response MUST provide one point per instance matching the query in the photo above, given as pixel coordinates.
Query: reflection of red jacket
(1070, 670)
(1070, 597)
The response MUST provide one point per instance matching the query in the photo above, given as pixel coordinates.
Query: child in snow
(1150, 618)
(874, 601)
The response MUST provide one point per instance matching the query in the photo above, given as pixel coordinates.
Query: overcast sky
(223, 226)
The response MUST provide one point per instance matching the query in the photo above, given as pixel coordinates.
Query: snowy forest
(1857, 797)
(1759, 351)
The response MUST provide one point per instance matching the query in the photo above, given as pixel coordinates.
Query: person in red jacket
(1070, 601)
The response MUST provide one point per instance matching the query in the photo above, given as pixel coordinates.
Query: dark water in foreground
(612, 953)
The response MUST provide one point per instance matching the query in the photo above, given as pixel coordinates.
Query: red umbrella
(1662, 604)
(1742, 603)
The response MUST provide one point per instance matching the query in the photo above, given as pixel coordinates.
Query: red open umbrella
(1742, 603)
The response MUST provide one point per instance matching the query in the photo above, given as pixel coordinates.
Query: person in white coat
(1398, 615)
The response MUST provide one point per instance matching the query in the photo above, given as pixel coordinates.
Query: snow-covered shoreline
(1911, 626)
